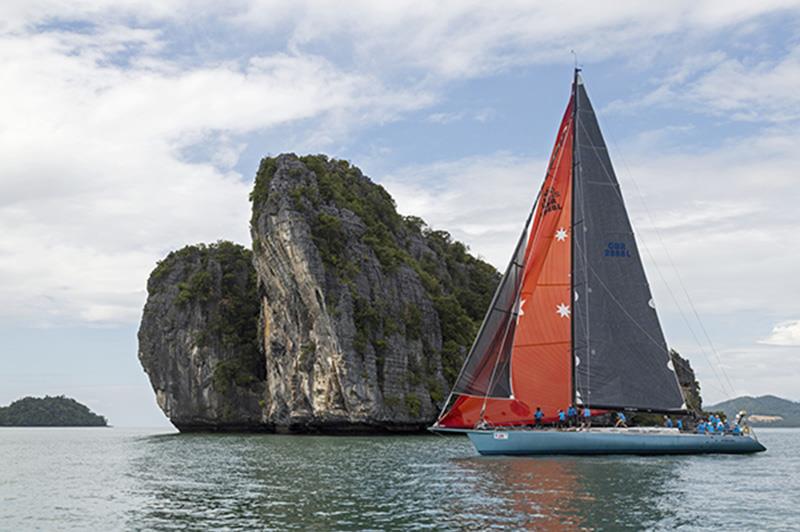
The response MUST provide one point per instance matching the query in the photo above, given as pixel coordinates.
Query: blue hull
(609, 441)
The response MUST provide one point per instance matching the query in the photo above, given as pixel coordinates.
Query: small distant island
(49, 411)
(763, 411)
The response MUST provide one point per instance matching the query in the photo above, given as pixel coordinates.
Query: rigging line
(682, 314)
(496, 295)
(677, 274)
(554, 164)
(635, 322)
(494, 369)
(664, 280)
(713, 348)
(587, 331)
(550, 176)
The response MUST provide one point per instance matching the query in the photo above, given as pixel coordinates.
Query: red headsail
(533, 350)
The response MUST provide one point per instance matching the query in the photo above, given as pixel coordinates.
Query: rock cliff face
(688, 382)
(198, 339)
(365, 315)
(346, 317)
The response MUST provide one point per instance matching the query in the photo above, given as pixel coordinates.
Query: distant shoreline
(47, 412)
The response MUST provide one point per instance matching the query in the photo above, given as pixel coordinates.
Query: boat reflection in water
(566, 493)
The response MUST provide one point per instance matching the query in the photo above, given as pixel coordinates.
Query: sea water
(124, 479)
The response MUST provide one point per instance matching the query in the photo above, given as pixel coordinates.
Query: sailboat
(573, 322)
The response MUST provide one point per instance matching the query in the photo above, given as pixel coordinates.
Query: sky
(133, 128)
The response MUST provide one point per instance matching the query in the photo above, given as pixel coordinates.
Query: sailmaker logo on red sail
(550, 202)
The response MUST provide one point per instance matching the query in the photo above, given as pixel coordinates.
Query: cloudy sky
(131, 130)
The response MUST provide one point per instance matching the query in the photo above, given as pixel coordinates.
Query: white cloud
(749, 89)
(100, 114)
(754, 370)
(483, 201)
(785, 333)
(94, 186)
(460, 38)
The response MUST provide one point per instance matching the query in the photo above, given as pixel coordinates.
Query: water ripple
(101, 479)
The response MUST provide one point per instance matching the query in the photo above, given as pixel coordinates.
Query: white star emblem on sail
(563, 310)
(561, 234)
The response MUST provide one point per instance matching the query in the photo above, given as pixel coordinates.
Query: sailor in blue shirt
(701, 427)
(587, 417)
(668, 422)
(680, 424)
(562, 417)
(538, 416)
(621, 419)
(736, 430)
(710, 427)
(572, 414)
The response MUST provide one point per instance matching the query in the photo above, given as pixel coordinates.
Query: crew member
(537, 417)
(572, 414)
(621, 419)
(562, 418)
(587, 417)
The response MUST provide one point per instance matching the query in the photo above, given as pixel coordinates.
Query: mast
(572, 229)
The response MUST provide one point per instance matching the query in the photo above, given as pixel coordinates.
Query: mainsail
(572, 319)
(620, 353)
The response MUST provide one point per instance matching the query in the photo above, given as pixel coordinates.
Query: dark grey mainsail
(621, 358)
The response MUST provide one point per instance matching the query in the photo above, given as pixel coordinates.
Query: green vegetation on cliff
(211, 277)
(459, 285)
(49, 412)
